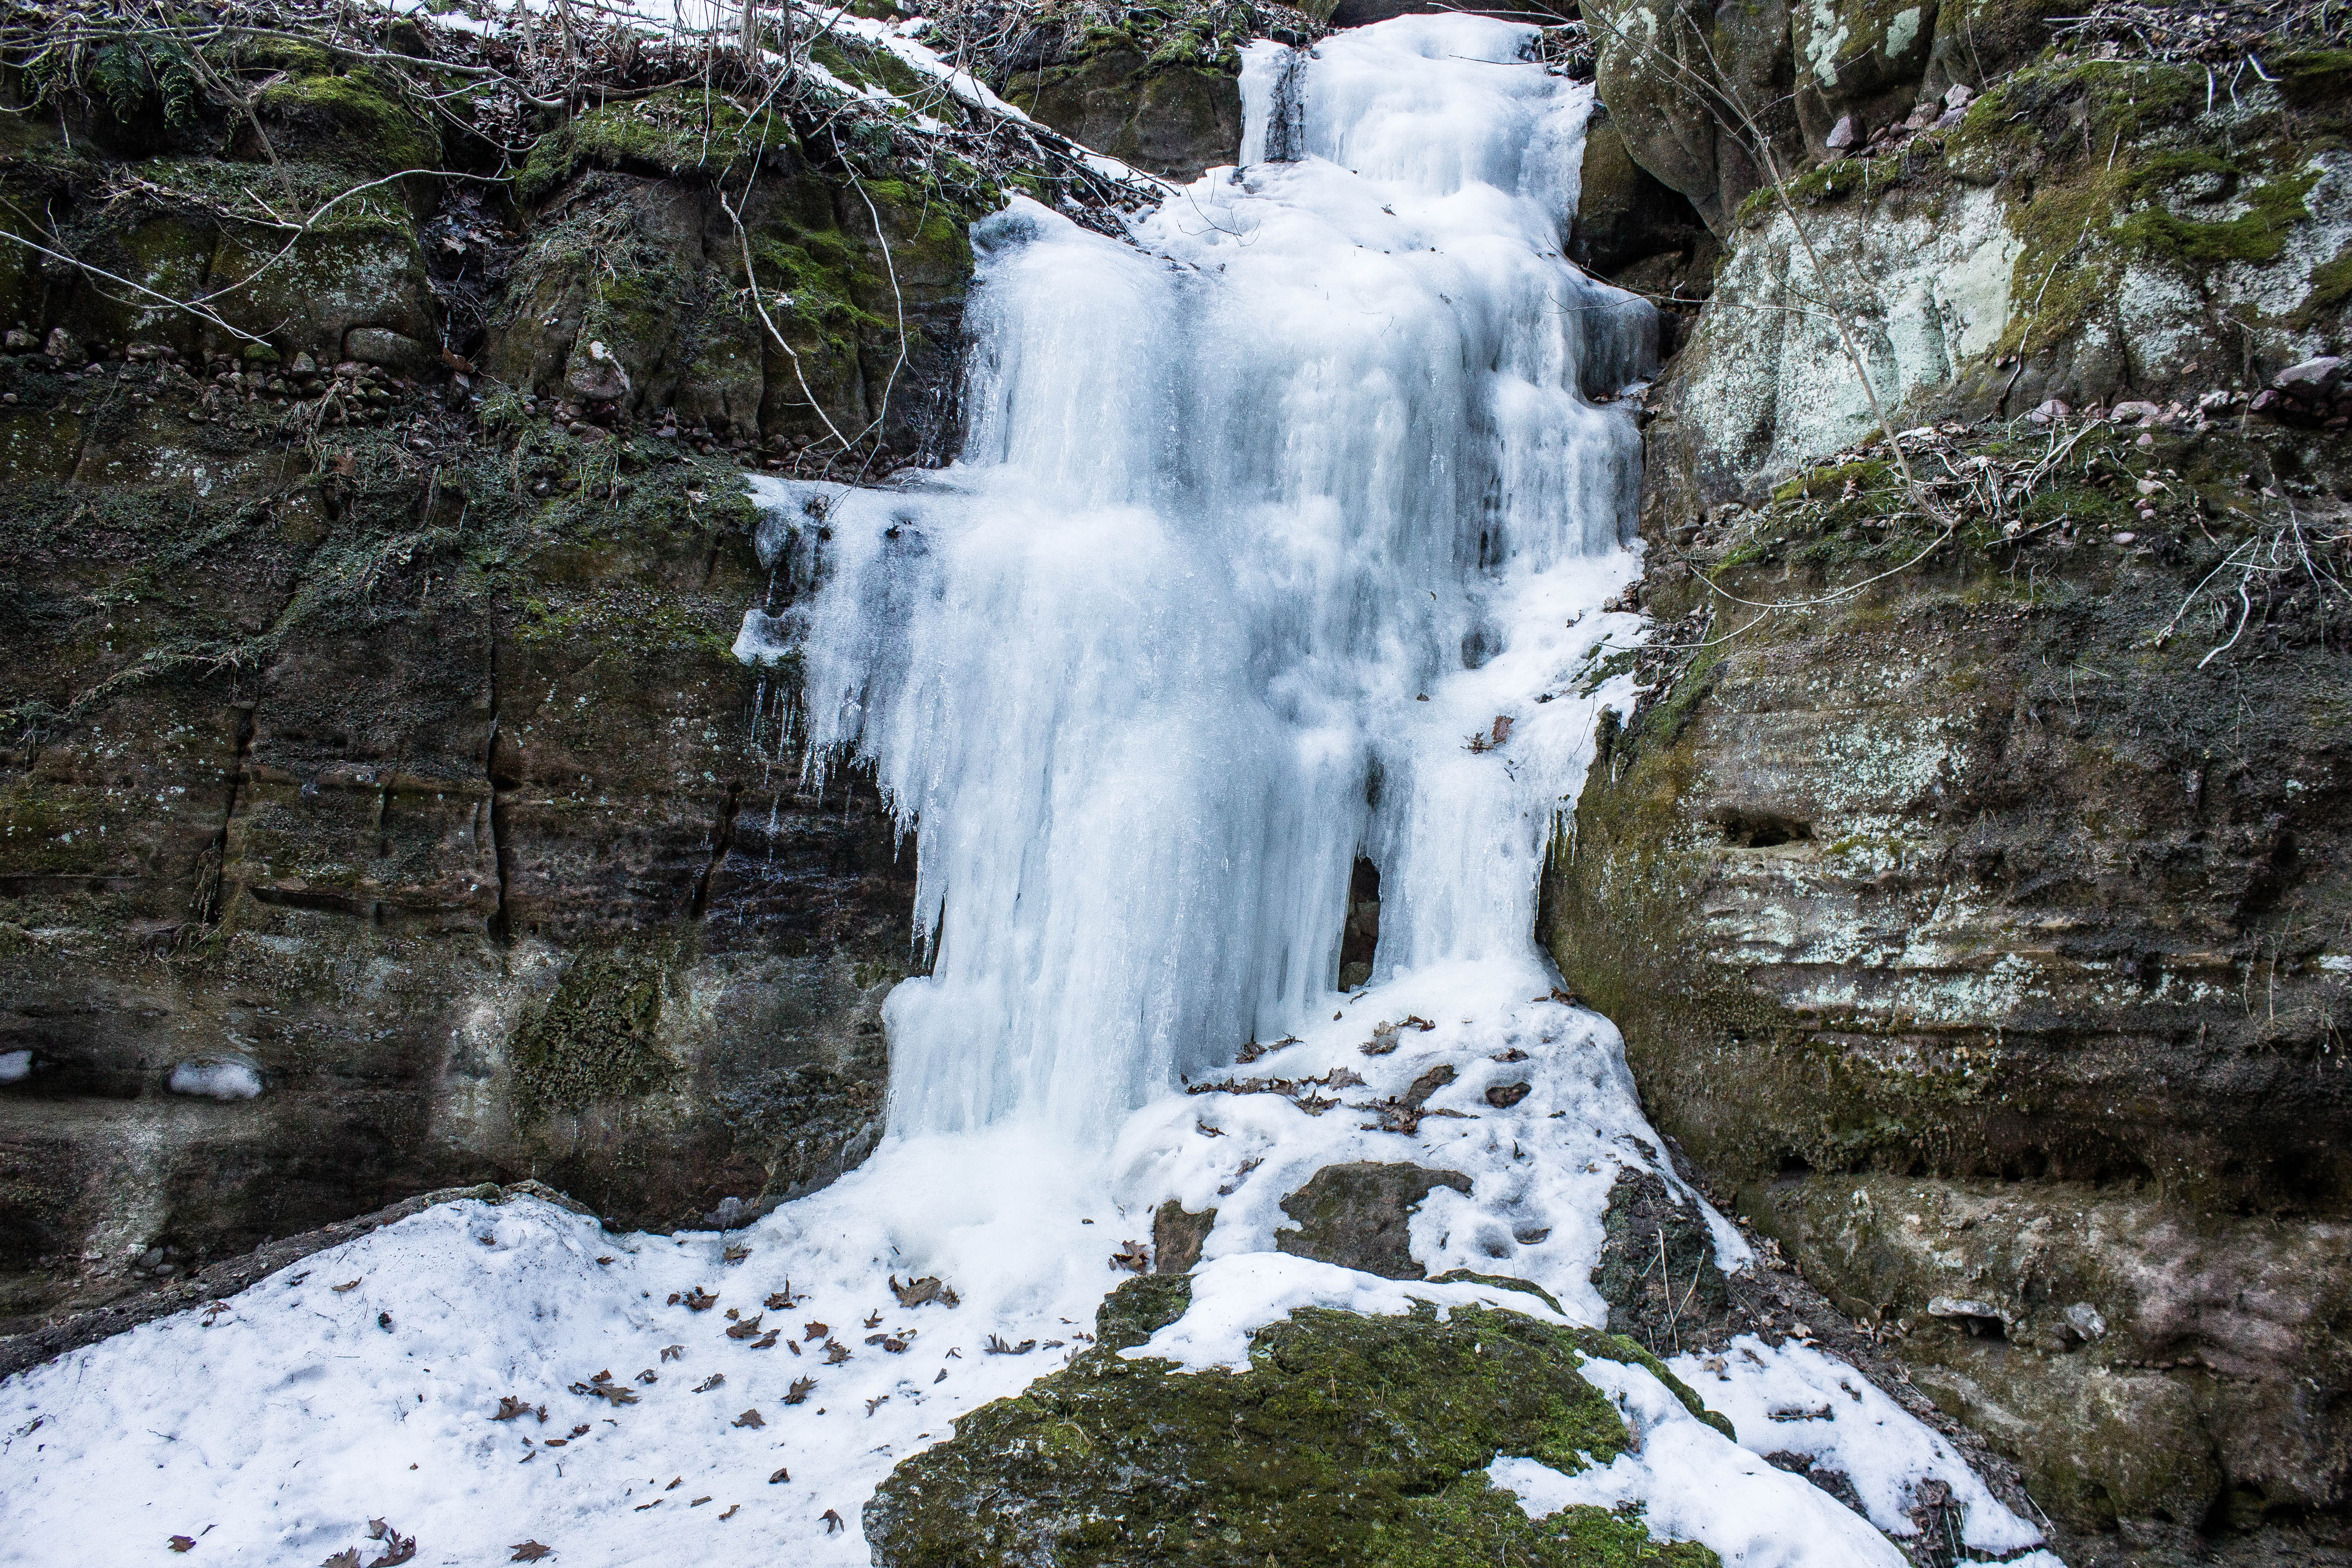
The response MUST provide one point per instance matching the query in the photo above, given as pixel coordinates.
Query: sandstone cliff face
(1963, 908)
(380, 804)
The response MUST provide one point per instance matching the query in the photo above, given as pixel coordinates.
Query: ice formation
(1281, 536)
(1259, 519)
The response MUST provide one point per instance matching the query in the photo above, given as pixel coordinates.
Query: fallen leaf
(529, 1551)
(736, 1252)
(510, 1407)
(188, 1542)
(894, 1344)
(915, 1292)
(616, 1393)
(798, 1394)
(699, 1300)
(676, 1482)
(398, 1548)
(833, 1522)
(671, 1352)
(814, 1331)
(731, 1508)
(708, 1383)
(581, 1430)
(750, 1418)
(782, 1475)
(836, 1353)
(766, 1342)
(998, 1347)
(875, 1403)
(873, 1322)
(793, 1347)
(348, 1557)
(643, 1506)
(1131, 1257)
(557, 1442)
(649, 1375)
(698, 1503)
(605, 1260)
(747, 1329)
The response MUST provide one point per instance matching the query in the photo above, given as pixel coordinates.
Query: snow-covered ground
(366, 1381)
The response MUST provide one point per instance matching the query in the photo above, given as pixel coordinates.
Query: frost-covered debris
(1790, 1399)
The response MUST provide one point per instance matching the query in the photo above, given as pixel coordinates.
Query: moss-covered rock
(1349, 1440)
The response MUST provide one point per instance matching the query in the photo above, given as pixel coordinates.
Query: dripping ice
(1258, 518)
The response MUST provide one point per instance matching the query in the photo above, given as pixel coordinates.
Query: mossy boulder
(1166, 113)
(1350, 1440)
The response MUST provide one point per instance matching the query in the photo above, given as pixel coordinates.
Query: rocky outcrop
(1349, 1439)
(380, 804)
(1970, 883)
(1158, 88)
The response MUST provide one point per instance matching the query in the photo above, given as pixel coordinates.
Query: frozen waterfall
(1259, 519)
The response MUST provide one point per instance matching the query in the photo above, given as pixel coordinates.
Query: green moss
(594, 1038)
(355, 118)
(2331, 287)
(667, 134)
(2256, 236)
(2314, 78)
(1348, 1439)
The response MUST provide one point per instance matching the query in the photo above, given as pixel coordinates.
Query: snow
(1796, 1400)
(217, 1080)
(15, 1066)
(1279, 538)
(1236, 1295)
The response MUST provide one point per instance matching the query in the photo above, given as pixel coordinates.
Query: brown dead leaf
(875, 1403)
(929, 1287)
(699, 1300)
(766, 1342)
(529, 1551)
(782, 1475)
(798, 1394)
(736, 1252)
(510, 1407)
(671, 1352)
(748, 1329)
(188, 1542)
(836, 1353)
(348, 1557)
(708, 1383)
(814, 1330)
(874, 1321)
(1133, 1257)
(750, 1418)
(731, 1508)
(831, 1521)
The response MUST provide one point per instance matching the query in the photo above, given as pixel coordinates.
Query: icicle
(1233, 499)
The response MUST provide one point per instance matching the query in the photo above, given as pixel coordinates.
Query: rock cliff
(1971, 882)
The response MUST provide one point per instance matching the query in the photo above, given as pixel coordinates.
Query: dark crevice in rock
(722, 839)
(206, 903)
(1360, 941)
